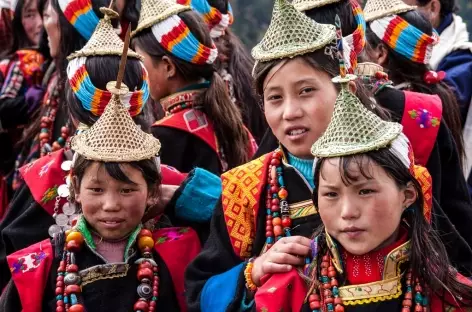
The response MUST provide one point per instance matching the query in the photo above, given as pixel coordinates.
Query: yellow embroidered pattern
(302, 209)
(242, 188)
(101, 272)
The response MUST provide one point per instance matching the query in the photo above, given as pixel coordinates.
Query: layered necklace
(68, 280)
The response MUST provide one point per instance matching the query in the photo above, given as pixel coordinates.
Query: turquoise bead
(268, 212)
(73, 299)
(425, 301)
(66, 299)
(61, 140)
(154, 299)
(330, 307)
(270, 240)
(44, 130)
(279, 169)
(418, 298)
(335, 291)
(59, 297)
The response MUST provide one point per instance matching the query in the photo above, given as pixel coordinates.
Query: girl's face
(51, 25)
(364, 215)
(31, 21)
(113, 208)
(298, 103)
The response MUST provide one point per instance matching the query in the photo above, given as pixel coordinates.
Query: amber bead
(76, 308)
(283, 193)
(276, 221)
(76, 236)
(144, 233)
(145, 241)
(278, 231)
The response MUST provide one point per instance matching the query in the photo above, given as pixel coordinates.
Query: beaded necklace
(278, 221)
(68, 280)
(325, 293)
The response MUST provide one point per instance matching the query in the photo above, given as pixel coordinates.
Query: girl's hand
(287, 252)
(158, 206)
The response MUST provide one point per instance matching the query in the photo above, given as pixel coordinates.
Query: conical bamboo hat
(375, 9)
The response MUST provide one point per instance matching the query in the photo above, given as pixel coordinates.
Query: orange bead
(76, 308)
(277, 221)
(68, 232)
(75, 236)
(278, 231)
(283, 194)
(145, 241)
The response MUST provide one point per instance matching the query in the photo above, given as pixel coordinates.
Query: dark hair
(148, 168)
(319, 60)
(101, 70)
(447, 6)
(215, 102)
(400, 69)
(19, 36)
(327, 13)
(131, 12)
(428, 256)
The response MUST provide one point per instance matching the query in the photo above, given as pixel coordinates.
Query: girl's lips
(296, 133)
(111, 223)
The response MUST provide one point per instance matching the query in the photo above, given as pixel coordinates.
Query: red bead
(141, 305)
(326, 259)
(405, 309)
(314, 297)
(76, 308)
(418, 288)
(314, 305)
(278, 230)
(274, 208)
(407, 302)
(44, 135)
(60, 309)
(145, 273)
(331, 273)
(274, 189)
(65, 130)
(269, 234)
(329, 300)
(152, 304)
(283, 193)
(45, 119)
(144, 232)
(339, 308)
(73, 289)
(334, 282)
(155, 293)
(60, 303)
(286, 222)
(72, 268)
(418, 308)
(275, 201)
(276, 221)
(145, 265)
(324, 272)
(60, 278)
(60, 284)
(338, 300)
(59, 290)
(56, 146)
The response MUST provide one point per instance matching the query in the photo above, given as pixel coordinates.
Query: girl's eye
(96, 189)
(330, 194)
(366, 192)
(126, 191)
(274, 98)
(307, 90)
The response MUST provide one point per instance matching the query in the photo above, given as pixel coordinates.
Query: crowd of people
(149, 162)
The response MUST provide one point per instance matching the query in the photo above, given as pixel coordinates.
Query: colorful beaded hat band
(217, 21)
(104, 41)
(176, 38)
(291, 33)
(356, 40)
(80, 14)
(405, 38)
(95, 100)
(114, 137)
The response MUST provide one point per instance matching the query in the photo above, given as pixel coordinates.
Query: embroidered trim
(371, 292)
(302, 209)
(101, 272)
(424, 118)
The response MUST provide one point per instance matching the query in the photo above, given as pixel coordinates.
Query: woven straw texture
(115, 137)
(305, 5)
(354, 129)
(104, 40)
(368, 69)
(155, 11)
(375, 9)
(291, 33)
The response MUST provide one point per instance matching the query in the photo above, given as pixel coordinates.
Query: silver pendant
(62, 219)
(63, 191)
(54, 230)
(69, 209)
(66, 165)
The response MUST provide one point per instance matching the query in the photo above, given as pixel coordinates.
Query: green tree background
(253, 17)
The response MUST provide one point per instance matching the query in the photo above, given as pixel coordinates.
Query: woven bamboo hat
(291, 33)
(104, 40)
(375, 9)
(305, 5)
(114, 137)
(155, 11)
(367, 69)
(353, 129)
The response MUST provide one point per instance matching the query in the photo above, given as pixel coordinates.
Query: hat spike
(343, 77)
(124, 58)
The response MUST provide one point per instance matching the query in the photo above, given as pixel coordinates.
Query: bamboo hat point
(375, 9)
(155, 11)
(291, 33)
(305, 5)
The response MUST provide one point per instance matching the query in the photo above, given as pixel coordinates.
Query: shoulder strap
(30, 272)
(192, 121)
(241, 197)
(421, 120)
(177, 247)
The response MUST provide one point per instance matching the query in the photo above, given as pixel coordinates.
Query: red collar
(369, 268)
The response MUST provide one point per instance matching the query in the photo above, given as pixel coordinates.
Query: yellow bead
(145, 241)
(75, 236)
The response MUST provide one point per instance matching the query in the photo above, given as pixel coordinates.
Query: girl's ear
(76, 188)
(410, 195)
(169, 67)
(352, 87)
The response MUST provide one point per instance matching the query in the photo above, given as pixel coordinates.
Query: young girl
(107, 261)
(203, 127)
(375, 249)
(20, 93)
(269, 198)
(234, 62)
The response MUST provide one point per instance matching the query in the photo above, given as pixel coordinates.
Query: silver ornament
(54, 230)
(66, 165)
(145, 291)
(72, 279)
(68, 209)
(62, 219)
(63, 191)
